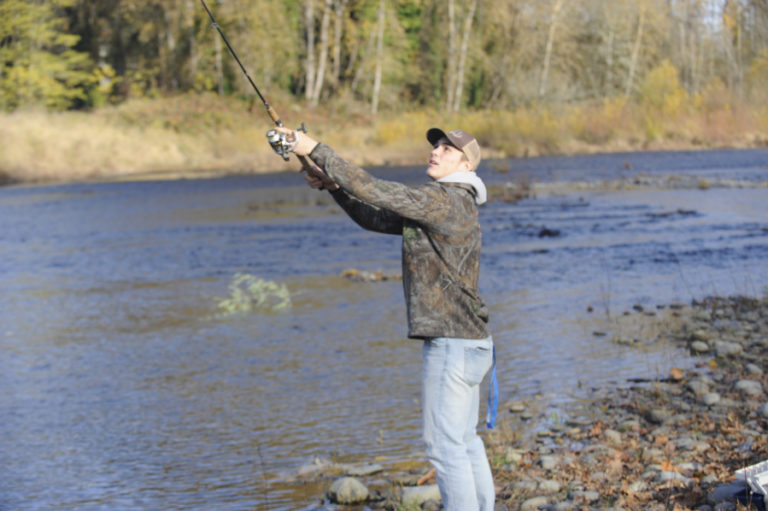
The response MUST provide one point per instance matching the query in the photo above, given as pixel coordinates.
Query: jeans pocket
(477, 361)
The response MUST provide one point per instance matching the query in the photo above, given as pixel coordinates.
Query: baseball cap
(462, 140)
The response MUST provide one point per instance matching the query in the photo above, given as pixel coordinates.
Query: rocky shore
(669, 444)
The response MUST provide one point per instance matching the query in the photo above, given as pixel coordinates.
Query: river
(126, 384)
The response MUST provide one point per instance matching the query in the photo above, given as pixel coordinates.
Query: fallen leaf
(668, 467)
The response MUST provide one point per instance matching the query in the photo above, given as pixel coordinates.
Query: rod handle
(304, 162)
(273, 115)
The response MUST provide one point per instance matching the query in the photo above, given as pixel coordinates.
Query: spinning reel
(280, 141)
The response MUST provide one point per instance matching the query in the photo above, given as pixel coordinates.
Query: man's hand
(318, 179)
(303, 143)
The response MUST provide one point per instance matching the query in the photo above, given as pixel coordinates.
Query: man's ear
(467, 166)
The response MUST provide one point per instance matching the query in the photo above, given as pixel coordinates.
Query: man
(441, 236)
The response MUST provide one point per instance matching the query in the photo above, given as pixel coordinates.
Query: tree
(630, 83)
(556, 8)
(379, 57)
(38, 64)
(451, 57)
(439, 53)
(460, 71)
(339, 11)
(309, 62)
(317, 82)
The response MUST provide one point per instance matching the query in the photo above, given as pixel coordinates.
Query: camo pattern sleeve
(440, 244)
(426, 204)
(367, 216)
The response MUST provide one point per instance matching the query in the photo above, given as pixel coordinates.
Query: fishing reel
(280, 143)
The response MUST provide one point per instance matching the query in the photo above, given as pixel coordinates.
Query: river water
(124, 383)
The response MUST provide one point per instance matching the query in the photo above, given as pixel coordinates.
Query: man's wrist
(304, 144)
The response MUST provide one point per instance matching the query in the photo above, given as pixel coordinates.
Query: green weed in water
(248, 293)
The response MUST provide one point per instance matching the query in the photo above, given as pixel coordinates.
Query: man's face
(445, 159)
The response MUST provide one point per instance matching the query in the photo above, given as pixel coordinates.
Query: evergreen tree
(38, 65)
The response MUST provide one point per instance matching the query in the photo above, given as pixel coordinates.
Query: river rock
(728, 349)
(550, 486)
(699, 336)
(514, 455)
(585, 495)
(710, 398)
(516, 407)
(690, 467)
(418, 495)
(549, 462)
(525, 485)
(658, 415)
(668, 475)
(317, 465)
(749, 387)
(698, 387)
(764, 410)
(364, 470)
(630, 425)
(688, 443)
(653, 454)
(348, 490)
(612, 436)
(699, 347)
(533, 504)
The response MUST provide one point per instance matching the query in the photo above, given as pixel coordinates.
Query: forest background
(109, 88)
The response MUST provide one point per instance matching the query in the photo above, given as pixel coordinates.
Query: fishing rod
(277, 140)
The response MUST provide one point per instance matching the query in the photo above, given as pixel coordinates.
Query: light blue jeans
(450, 392)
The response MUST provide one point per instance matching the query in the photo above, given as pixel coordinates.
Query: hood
(469, 178)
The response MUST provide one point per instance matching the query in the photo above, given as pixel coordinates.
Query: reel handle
(281, 145)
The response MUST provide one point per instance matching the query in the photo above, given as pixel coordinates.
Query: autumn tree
(38, 62)
(444, 54)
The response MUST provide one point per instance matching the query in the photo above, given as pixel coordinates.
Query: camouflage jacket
(441, 244)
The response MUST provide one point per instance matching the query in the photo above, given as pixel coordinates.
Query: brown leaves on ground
(704, 445)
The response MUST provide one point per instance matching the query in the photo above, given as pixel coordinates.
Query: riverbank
(667, 444)
(193, 136)
(673, 443)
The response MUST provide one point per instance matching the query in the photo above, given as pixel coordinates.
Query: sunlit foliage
(38, 62)
(488, 54)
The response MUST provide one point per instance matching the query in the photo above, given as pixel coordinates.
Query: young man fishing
(438, 222)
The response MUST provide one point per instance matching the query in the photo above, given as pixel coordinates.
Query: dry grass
(40, 146)
(197, 135)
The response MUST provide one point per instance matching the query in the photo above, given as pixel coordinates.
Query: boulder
(418, 495)
(348, 490)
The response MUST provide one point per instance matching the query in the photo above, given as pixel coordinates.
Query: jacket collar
(469, 178)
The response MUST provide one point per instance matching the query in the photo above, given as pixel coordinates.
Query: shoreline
(204, 135)
(672, 443)
(494, 163)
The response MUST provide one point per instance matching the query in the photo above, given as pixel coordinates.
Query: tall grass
(136, 138)
(196, 135)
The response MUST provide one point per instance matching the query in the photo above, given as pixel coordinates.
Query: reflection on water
(123, 389)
